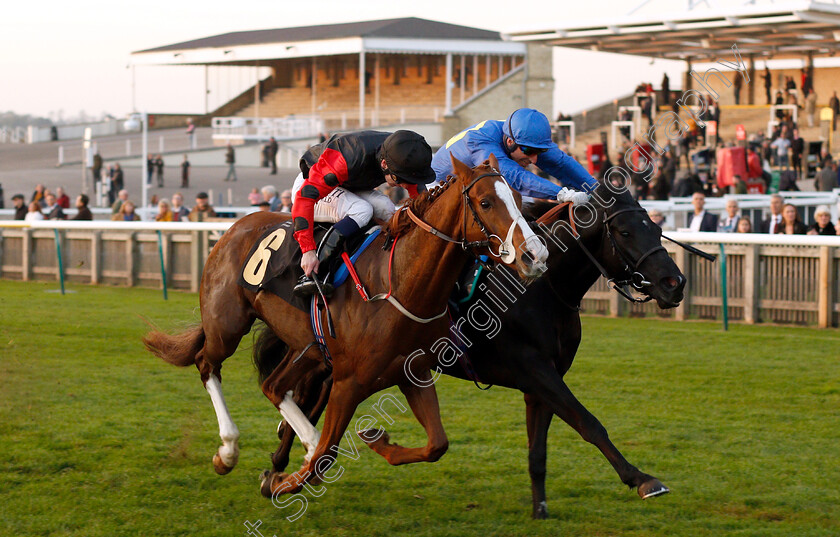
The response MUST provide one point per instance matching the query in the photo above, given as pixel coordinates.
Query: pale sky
(73, 55)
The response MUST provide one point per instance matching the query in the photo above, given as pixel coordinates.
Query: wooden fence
(778, 279)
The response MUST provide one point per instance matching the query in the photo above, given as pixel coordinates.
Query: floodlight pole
(144, 162)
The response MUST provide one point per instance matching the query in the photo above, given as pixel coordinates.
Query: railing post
(825, 302)
(618, 305)
(751, 283)
(681, 259)
(95, 256)
(26, 255)
(129, 260)
(195, 261)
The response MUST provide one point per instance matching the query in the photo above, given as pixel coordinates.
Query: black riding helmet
(408, 157)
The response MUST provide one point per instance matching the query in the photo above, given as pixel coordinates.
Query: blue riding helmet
(530, 128)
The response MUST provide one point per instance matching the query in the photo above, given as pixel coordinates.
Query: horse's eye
(625, 234)
(484, 204)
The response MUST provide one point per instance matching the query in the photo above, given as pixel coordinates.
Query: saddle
(273, 263)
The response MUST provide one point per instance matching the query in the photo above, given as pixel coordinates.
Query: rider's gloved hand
(309, 262)
(575, 196)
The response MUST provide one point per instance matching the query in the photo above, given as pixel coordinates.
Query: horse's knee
(437, 450)
(536, 463)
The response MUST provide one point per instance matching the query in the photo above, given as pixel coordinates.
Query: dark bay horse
(541, 330)
(432, 238)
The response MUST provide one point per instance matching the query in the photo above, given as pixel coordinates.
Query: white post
(463, 78)
(256, 90)
(314, 89)
(60, 155)
(501, 66)
(344, 121)
(448, 83)
(206, 90)
(402, 115)
(475, 74)
(160, 144)
(376, 86)
(362, 88)
(487, 71)
(128, 147)
(230, 197)
(144, 162)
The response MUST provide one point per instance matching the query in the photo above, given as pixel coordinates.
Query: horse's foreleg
(538, 419)
(553, 391)
(343, 400)
(424, 404)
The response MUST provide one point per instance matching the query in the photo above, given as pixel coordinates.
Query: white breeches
(360, 206)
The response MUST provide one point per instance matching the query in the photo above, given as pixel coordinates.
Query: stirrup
(306, 287)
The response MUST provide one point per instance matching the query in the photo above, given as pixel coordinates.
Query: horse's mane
(401, 222)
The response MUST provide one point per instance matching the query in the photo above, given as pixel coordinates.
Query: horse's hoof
(373, 437)
(220, 467)
(540, 511)
(267, 480)
(652, 488)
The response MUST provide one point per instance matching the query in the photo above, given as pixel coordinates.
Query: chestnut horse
(541, 330)
(433, 234)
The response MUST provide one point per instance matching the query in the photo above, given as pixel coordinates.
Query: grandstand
(370, 73)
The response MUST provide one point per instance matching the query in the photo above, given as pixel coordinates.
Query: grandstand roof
(775, 30)
(405, 35)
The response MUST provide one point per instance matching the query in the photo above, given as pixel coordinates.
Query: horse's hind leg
(538, 419)
(424, 404)
(222, 336)
(311, 396)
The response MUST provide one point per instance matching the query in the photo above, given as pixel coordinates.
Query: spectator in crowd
(126, 213)
(823, 225)
(269, 194)
(230, 160)
(117, 178)
(38, 195)
(797, 147)
(687, 185)
(254, 198)
(738, 82)
(810, 106)
(780, 114)
(702, 220)
(191, 133)
(656, 217)
(666, 90)
(34, 212)
(782, 145)
(121, 198)
(791, 223)
(834, 104)
(96, 169)
(285, 202)
(54, 210)
(150, 168)
(772, 222)
(179, 212)
(61, 198)
(264, 206)
(661, 186)
(202, 209)
(272, 155)
(805, 80)
(185, 172)
(82, 210)
(729, 223)
(20, 206)
(826, 179)
(165, 213)
(768, 82)
(159, 170)
(744, 226)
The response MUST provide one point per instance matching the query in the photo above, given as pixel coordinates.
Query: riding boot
(330, 248)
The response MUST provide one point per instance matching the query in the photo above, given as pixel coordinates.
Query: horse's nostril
(672, 282)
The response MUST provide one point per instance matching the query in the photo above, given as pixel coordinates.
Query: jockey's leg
(351, 212)
(383, 207)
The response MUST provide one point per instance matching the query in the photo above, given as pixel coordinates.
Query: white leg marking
(229, 451)
(307, 432)
(536, 247)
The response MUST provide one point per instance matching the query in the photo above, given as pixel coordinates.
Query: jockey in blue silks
(523, 139)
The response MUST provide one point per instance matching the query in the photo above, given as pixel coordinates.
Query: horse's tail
(269, 351)
(179, 349)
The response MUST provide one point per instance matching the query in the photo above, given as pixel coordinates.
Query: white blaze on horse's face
(534, 245)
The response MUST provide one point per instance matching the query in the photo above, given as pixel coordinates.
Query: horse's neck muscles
(571, 273)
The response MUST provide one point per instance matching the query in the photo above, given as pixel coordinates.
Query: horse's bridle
(631, 267)
(464, 243)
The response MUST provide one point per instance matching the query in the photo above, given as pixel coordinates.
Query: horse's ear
(493, 161)
(459, 169)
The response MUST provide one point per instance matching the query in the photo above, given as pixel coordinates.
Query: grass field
(98, 438)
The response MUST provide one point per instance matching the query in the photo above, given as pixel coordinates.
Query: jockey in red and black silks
(337, 183)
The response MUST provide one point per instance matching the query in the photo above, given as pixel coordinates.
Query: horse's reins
(464, 243)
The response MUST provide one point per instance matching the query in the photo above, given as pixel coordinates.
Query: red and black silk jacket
(350, 161)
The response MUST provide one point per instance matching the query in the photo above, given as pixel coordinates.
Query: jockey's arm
(566, 169)
(329, 172)
(520, 179)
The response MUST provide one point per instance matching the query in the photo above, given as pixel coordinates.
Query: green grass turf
(99, 438)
